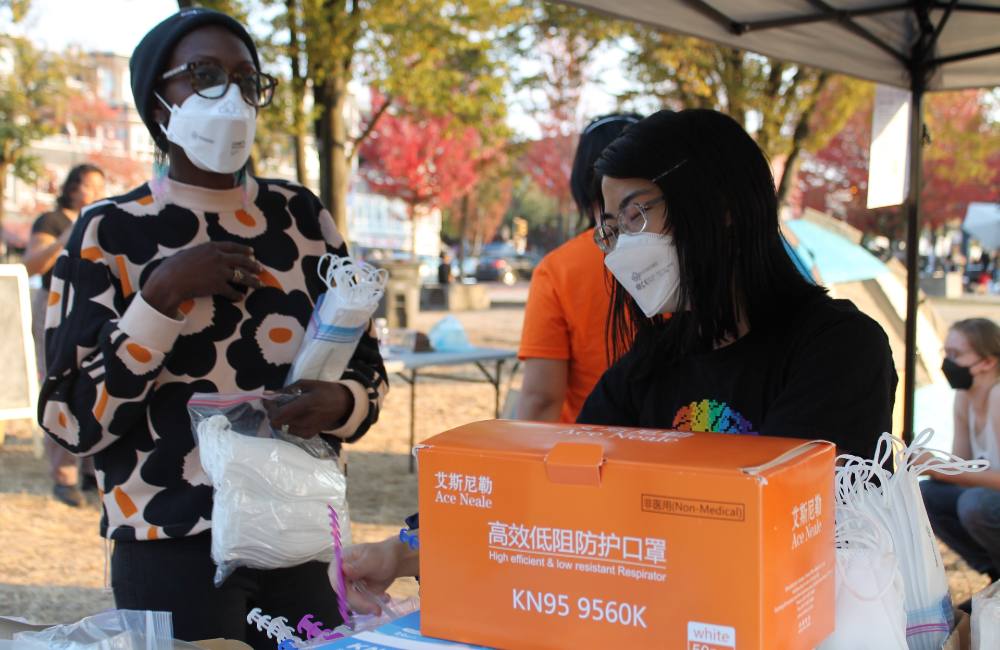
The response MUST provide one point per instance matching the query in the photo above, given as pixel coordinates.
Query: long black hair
(73, 181)
(722, 212)
(597, 135)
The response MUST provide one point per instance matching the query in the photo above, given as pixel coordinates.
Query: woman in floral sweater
(202, 280)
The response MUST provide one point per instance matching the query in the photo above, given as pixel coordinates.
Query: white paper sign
(889, 158)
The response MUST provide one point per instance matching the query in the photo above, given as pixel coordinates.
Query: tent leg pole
(912, 253)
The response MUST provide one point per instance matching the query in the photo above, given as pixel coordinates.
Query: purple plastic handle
(338, 557)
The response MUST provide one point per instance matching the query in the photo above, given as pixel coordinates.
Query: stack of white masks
(870, 613)
(354, 290)
(893, 500)
(270, 501)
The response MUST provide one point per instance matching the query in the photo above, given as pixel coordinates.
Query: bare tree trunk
(324, 141)
(340, 158)
(298, 91)
(331, 137)
(790, 171)
(802, 130)
(463, 236)
(735, 84)
(770, 116)
(3, 188)
(413, 230)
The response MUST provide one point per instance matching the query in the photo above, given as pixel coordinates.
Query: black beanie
(151, 55)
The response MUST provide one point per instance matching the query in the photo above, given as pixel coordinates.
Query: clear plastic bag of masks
(986, 618)
(116, 629)
(271, 489)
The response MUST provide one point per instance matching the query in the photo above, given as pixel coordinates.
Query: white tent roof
(982, 221)
(869, 39)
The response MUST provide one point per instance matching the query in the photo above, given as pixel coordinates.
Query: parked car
(495, 269)
(522, 264)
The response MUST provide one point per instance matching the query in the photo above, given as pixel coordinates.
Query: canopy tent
(920, 45)
(836, 258)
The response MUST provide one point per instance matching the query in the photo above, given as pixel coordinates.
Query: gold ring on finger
(237, 274)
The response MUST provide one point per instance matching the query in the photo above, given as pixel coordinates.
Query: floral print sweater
(120, 373)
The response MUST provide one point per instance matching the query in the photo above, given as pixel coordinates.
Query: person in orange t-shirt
(564, 339)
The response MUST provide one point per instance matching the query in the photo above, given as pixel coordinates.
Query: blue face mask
(959, 377)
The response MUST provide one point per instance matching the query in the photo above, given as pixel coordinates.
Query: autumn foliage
(961, 165)
(423, 160)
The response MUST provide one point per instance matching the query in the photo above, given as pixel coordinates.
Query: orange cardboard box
(571, 536)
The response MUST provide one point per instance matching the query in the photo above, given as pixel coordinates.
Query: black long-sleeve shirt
(823, 372)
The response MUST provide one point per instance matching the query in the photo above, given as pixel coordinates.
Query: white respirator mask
(215, 134)
(646, 265)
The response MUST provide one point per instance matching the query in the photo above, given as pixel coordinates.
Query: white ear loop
(891, 500)
(857, 530)
(351, 281)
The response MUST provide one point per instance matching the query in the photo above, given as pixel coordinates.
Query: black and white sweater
(120, 373)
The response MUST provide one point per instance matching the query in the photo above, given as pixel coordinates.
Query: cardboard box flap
(576, 463)
(742, 454)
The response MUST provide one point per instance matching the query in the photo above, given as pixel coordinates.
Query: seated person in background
(965, 509)
(753, 347)
(564, 341)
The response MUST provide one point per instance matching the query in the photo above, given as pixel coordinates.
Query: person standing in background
(83, 185)
(444, 269)
(564, 339)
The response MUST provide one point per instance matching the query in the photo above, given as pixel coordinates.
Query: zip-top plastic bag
(448, 335)
(115, 629)
(271, 490)
(986, 618)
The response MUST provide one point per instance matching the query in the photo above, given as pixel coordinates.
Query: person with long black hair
(690, 227)
(84, 184)
(202, 280)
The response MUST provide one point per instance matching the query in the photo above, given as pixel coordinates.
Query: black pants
(175, 575)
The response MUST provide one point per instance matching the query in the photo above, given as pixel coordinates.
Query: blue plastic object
(448, 335)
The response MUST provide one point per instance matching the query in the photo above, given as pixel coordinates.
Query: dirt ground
(52, 561)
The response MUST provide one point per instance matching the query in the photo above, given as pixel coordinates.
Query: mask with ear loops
(271, 495)
(869, 586)
(646, 265)
(215, 134)
(893, 500)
